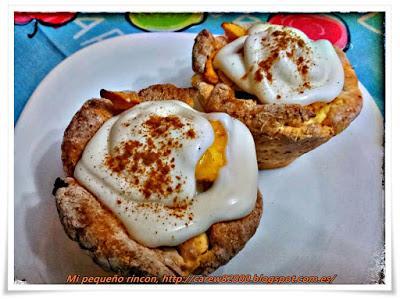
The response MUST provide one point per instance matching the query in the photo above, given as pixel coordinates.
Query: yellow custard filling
(320, 116)
(193, 251)
(213, 159)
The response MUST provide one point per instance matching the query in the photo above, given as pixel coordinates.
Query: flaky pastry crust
(282, 132)
(87, 221)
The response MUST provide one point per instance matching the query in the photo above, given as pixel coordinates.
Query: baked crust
(281, 132)
(87, 221)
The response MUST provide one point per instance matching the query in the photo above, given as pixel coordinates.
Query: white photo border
(294, 6)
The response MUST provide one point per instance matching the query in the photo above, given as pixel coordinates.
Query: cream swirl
(141, 165)
(281, 64)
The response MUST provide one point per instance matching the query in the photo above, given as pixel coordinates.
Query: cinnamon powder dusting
(283, 40)
(147, 165)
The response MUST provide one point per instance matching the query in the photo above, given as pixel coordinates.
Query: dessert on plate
(154, 187)
(293, 93)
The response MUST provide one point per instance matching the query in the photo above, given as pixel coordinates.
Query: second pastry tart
(293, 93)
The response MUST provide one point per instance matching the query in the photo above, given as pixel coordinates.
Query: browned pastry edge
(281, 132)
(98, 231)
(203, 48)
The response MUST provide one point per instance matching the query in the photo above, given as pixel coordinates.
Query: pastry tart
(100, 217)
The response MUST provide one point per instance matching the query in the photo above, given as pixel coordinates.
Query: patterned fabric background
(43, 40)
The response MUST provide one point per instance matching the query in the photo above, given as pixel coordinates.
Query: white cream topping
(152, 219)
(282, 65)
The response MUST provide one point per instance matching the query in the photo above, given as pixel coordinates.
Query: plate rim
(60, 66)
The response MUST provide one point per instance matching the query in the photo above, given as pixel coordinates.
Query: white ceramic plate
(323, 214)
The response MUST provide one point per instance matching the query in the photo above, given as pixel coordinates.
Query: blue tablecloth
(35, 57)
